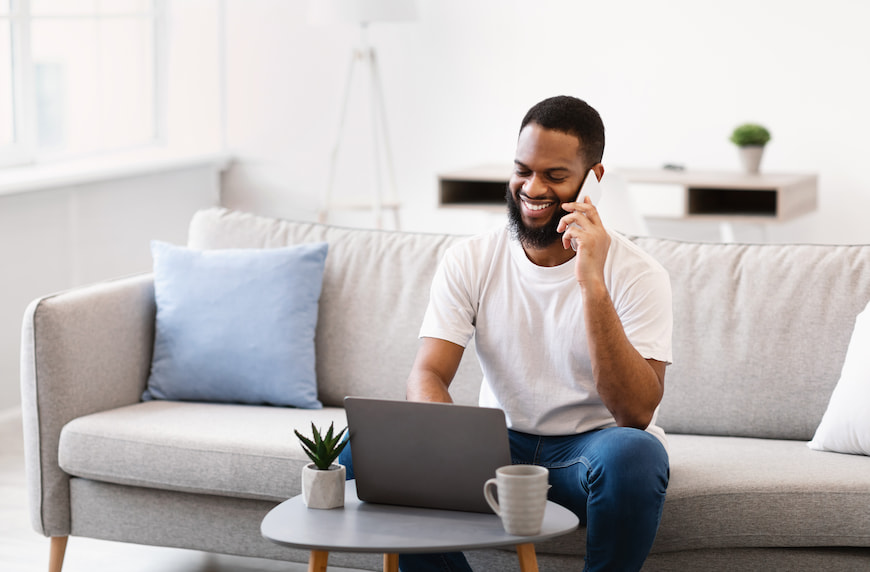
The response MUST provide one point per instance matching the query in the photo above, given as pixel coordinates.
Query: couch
(760, 337)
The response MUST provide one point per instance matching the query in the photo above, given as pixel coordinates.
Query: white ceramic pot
(323, 489)
(750, 156)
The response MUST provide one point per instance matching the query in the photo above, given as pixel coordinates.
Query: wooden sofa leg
(58, 549)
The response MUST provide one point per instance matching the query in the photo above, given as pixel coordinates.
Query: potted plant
(751, 139)
(322, 479)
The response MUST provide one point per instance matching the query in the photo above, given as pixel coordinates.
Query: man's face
(548, 171)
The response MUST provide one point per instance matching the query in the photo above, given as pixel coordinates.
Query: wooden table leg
(528, 560)
(317, 560)
(391, 563)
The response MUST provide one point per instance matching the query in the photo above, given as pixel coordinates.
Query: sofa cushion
(376, 282)
(220, 449)
(845, 427)
(760, 334)
(724, 491)
(729, 492)
(236, 325)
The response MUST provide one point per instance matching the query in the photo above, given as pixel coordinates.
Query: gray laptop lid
(432, 455)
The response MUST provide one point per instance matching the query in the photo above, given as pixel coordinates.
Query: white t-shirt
(529, 332)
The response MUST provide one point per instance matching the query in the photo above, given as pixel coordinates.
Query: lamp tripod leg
(377, 198)
(380, 136)
(379, 109)
(333, 160)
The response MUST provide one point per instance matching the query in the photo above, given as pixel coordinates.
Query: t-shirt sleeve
(646, 312)
(451, 311)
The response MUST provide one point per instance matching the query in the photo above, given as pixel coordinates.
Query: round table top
(369, 527)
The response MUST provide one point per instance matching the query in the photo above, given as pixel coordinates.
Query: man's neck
(552, 255)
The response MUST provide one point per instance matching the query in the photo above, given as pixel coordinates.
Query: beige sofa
(760, 337)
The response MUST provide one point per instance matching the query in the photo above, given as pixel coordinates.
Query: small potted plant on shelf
(322, 479)
(751, 139)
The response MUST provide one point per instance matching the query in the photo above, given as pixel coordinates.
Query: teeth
(536, 207)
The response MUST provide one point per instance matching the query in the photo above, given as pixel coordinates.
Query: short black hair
(575, 117)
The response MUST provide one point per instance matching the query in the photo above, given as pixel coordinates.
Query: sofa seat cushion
(733, 492)
(243, 451)
(744, 492)
(725, 492)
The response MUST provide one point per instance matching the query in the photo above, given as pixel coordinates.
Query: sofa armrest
(82, 351)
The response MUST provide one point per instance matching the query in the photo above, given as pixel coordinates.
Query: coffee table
(391, 530)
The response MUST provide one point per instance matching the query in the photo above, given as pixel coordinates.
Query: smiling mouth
(536, 206)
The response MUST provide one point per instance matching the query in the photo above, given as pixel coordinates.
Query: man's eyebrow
(522, 165)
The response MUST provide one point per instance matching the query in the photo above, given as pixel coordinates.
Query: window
(7, 118)
(76, 77)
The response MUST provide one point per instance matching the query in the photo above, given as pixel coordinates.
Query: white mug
(522, 497)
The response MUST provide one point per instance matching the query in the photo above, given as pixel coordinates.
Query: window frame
(24, 149)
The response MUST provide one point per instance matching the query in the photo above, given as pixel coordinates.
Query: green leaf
(306, 443)
(750, 134)
(323, 450)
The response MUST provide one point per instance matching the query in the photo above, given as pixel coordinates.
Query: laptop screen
(432, 455)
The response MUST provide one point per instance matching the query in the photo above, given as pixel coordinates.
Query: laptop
(431, 455)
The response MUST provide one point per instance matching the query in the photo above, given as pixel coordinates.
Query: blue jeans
(613, 479)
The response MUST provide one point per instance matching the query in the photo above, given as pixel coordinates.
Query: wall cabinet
(721, 196)
(662, 193)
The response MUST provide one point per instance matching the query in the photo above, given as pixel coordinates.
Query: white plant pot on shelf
(323, 489)
(750, 156)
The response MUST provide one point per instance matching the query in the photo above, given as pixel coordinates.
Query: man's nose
(534, 186)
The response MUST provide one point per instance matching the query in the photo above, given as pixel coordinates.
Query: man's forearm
(426, 386)
(433, 371)
(626, 382)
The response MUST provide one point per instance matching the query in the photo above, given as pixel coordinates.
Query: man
(573, 345)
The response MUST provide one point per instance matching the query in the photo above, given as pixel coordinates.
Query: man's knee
(633, 460)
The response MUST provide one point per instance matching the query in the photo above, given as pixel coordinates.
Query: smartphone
(589, 188)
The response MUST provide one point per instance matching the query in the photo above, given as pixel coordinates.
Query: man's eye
(522, 172)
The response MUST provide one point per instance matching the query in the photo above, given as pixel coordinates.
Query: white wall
(670, 78)
(91, 220)
(72, 235)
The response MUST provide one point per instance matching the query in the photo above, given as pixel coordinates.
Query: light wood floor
(23, 550)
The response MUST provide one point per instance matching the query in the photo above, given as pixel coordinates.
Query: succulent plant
(750, 134)
(322, 450)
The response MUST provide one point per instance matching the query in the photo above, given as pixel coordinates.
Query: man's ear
(598, 169)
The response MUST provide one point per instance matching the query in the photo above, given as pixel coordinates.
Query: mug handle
(488, 486)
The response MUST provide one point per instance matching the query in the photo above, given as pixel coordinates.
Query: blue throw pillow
(236, 326)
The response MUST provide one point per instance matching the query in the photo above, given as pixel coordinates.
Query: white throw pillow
(845, 427)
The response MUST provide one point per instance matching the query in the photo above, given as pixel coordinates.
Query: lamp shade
(360, 11)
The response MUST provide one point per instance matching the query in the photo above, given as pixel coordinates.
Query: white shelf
(718, 196)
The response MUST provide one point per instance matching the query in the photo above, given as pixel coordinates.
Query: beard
(535, 238)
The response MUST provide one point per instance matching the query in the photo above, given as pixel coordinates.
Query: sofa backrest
(760, 334)
(760, 331)
(375, 292)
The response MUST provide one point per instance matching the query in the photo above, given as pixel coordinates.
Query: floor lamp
(363, 13)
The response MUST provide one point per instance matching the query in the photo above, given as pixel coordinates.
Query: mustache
(524, 195)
